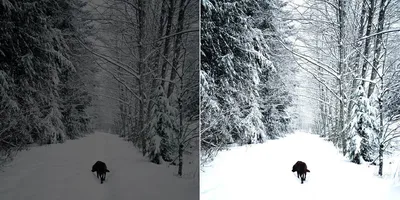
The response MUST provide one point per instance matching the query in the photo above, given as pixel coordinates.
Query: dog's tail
(308, 170)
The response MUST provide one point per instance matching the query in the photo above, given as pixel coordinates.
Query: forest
(268, 67)
(245, 73)
(45, 74)
(72, 67)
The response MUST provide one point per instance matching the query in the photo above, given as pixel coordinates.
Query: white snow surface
(63, 171)
(263, 171)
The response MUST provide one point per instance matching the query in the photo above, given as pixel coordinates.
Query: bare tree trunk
(381, 115)
(181, 129)
(321, 89)
(171, 8)
(380, 159)
(324, 114)
(141, 20)
(378, 46)
(130, 118)
(381, 146)
(342, 16)
(358, 55)
(371, 11)
(121, 92)
(157, 59)
(180, 165)
(177, 51)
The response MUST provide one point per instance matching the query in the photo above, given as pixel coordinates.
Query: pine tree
(242, 73)
(162, 127)
(363, 129)
(74, 87)
(35, 53)
(33, 59)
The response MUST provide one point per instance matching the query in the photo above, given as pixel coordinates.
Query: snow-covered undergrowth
(62, 171)
(263, 171)
(391, 169)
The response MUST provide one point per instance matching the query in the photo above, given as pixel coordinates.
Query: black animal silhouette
(101, 169)
(301, 169)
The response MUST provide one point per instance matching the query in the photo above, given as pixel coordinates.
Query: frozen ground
(264, 172)
(62, 171)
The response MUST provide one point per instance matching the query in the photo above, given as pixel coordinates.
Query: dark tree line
(44, 73)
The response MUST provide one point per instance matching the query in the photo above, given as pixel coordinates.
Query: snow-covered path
(62, 171)
(264, 172)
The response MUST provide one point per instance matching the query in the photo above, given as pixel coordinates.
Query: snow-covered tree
(155, 149)
(76, 81)
(214, 133)
(35, 52)
(148, 45)
(243, 73)
(163, 125)
(363, 129)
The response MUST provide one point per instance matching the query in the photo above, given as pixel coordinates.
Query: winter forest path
(62, 171)
(263, 171)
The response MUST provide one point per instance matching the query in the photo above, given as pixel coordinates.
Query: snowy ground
(62, 171)
(264, 172)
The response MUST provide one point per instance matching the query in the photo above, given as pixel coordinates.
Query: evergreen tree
(162, 128)
(363, 129)
(75, 80)
(242, 72)
(36, 59)
(32, 59)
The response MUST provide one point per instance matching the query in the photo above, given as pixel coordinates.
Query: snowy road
(264, 172)
(62, 172)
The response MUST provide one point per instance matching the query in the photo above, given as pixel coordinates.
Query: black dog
(301, 169)
(101, 169)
